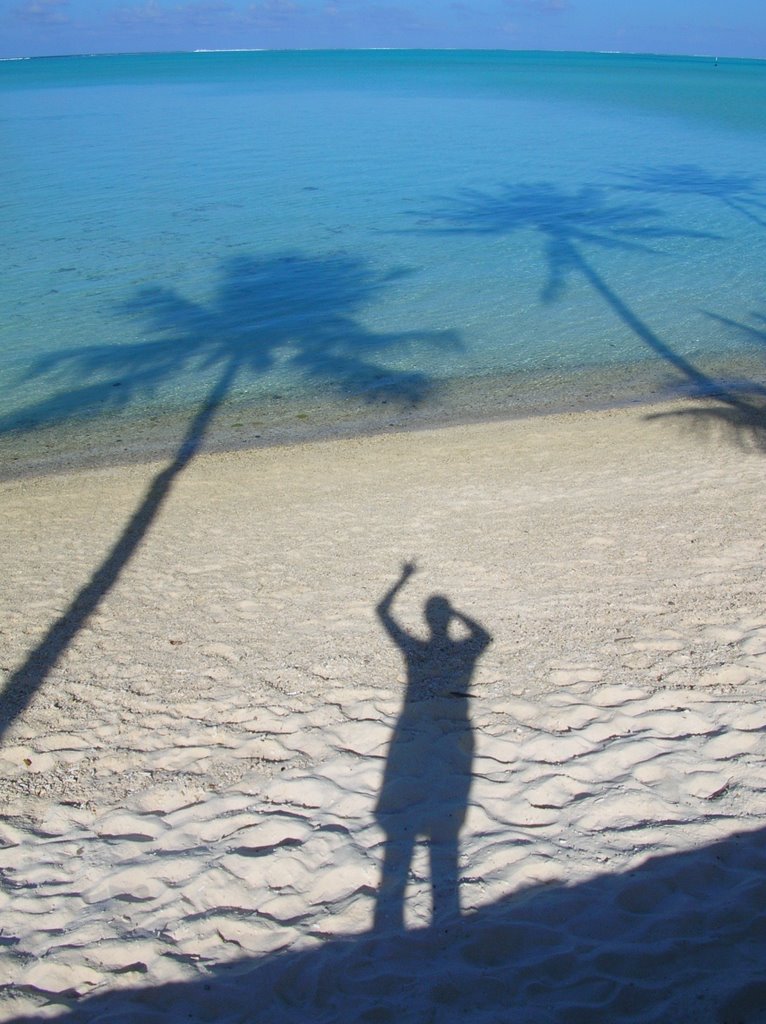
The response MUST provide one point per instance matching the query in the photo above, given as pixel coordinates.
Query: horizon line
(371, 49)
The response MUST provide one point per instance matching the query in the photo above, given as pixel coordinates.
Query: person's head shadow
(427, 778)
(438, 612)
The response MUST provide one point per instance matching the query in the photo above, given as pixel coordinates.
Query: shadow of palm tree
(742, 193)
(570, 224)
(291, 311)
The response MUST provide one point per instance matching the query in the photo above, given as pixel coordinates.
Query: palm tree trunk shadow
(742, 411)
(427, 777)
(25, 682)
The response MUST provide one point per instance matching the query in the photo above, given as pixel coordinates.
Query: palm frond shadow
(291, 309)
(739, 409)
(742, 193)
(288, 312)
(572, 223)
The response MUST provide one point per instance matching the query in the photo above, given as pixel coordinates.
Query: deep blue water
(337, 235)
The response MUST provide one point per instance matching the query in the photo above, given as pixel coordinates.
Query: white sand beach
(189, 792)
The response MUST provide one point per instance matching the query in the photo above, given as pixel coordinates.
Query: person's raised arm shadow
(427, 776)
(401, 638)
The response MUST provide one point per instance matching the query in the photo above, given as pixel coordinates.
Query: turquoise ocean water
(343, 240)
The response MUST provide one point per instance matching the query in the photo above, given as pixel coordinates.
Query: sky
(44, 27)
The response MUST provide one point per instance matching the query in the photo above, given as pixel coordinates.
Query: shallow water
(342, 240)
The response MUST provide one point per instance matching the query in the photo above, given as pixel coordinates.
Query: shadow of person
(428, 770)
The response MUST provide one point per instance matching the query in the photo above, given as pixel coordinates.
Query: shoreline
(153, 434)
